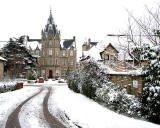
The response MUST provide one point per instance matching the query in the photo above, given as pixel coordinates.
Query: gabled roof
(112, 47)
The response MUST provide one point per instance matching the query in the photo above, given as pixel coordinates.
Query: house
(55, 56)
(2, 60)
(119, 64)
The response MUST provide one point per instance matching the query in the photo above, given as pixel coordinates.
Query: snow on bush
(8, 85)
(92, 81)
(151, 90)
(118, 100)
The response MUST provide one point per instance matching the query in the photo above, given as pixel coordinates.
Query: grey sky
(81, 18)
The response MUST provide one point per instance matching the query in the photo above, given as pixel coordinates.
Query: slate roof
(67, 43)
(50, 27)
(32, 40)
(93, 43)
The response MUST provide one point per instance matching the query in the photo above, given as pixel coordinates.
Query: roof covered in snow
(34, 45)
(122, 50)
(2, 59)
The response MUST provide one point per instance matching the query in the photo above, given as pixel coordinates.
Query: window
(56, 43)
(71, 53)
(106, 58)
(135, 83)
(45, 43)
(112, 59)
(43, 71)
(64, 62)
(63, 72)
(50, 61)
(50, 51)
(50, 43)
(43, 52)
(56, 61)
(71, 62)
(43, 62)
(56, 53)
(57, 72)
(63, 53)
(37, 52)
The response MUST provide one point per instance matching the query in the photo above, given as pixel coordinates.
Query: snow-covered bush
(73, 80)
(111, 96)
(151, 91)
(87, 78)
(92, 81)
(92, 77)
(8, 85)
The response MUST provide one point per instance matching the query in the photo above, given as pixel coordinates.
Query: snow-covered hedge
(151, 90)
(111, 96)
(6, 86)
(92, 81)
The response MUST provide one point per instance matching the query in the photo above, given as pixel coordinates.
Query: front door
(50, 74)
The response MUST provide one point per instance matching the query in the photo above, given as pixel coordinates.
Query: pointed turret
(50, 27)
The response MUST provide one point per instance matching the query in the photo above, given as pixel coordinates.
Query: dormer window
(106, 59)
(71, 53)
(112, 59)
(37, 52)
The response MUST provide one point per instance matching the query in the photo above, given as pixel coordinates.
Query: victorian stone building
(55, 56)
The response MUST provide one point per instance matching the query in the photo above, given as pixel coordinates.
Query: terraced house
(55, 56)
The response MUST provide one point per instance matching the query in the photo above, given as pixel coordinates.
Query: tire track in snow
(13, 120)
(52, 121)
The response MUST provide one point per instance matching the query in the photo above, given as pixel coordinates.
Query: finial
(50, 10)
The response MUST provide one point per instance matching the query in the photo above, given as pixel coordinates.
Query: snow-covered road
(39, 104)
(27, 108)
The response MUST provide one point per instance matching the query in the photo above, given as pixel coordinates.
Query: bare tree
(144, 30)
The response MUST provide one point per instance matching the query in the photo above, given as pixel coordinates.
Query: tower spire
(50, 10)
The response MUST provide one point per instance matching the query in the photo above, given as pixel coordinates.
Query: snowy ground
(88, 113)
(10, 100)
(69, 107)
(31, 115)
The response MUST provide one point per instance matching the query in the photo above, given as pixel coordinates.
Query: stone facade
(55, 56)
(121, 73)
(133, 83)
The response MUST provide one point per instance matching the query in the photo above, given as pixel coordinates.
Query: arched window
(50, 43)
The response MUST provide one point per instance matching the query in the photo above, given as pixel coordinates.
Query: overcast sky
(81, 18)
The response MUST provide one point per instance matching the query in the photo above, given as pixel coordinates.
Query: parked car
(41, 80)
(61, 81)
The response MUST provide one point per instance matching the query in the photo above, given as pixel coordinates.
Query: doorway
(50, 74)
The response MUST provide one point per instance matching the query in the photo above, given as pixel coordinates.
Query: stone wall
(133, 84)
(1, 70)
